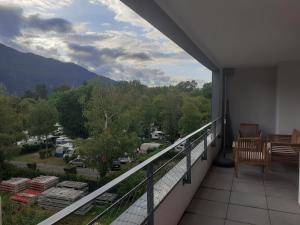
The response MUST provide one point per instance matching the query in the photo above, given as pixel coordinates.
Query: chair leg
(236, 168)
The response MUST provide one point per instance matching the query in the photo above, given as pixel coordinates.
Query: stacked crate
(27, 197)
(14, 185)
(57, 198)
(80, 186)
(105, 199)
(43, 183)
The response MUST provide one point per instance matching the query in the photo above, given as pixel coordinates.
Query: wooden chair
(283, 148)
(248, 130)
(250, 151)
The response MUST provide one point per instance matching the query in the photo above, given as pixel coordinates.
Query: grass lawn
(35, 157)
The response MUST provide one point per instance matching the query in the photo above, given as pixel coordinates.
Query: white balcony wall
(269, 96)
(288, 97)
(252, 98)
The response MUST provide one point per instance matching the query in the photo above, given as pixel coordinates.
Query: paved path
(59, 170)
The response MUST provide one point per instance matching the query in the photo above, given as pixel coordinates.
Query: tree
(25, 106)
(206, 90)
(42, 118)
(70, 113)
(187, 86)
(168, 108)
(103, 108)
(62, 88)
(195, 113)
(10, 127)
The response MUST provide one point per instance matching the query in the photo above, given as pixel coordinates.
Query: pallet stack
(14, 185)
(42, 183)
(27, 197)
(57, 198)
(105, 199)
(80, 186)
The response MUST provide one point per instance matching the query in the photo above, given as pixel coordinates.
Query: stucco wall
(288, 97)
(252, 97)
(267, 96)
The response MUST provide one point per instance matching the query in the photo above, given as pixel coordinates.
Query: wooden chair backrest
(249, 130)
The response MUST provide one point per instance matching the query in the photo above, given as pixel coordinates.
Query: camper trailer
(157, 135)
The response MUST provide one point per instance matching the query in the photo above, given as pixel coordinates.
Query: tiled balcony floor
(252, 198)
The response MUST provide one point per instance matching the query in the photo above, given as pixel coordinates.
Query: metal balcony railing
(150, 182)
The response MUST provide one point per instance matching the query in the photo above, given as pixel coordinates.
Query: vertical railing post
(188, 177)
(204, 155)
(0, 211)
(215, 129)
(150, 195)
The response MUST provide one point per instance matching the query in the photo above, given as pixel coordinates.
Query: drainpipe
(222, 160)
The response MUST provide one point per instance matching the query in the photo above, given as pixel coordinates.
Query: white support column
(299, 182)
(0, 212)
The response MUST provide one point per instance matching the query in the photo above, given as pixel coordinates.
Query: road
(59, 170)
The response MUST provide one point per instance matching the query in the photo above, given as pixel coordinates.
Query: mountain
(20, 72)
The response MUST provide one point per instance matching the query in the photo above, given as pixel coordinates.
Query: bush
(67, 159)
(32, 166)
(8, 171)
(70, 170)
(27, 149)
(42, 154)
(45, 153)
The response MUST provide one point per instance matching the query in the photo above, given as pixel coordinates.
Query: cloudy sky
(104, 36)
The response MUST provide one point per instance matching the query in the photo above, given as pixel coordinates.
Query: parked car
(69, 153)
(180, 147)
(79, 162)
(116, 165)
(157, 135)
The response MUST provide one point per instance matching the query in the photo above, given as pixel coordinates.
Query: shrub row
(26, 149)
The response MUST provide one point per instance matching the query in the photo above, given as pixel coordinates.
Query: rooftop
(252, 198)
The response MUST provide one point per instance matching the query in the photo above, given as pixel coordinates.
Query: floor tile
(217, 175)
(281, 191)
(229, 222)
(217, 183)
(207, 208)
(248, 215)
(284, 205)
(222, 170)
(249, 199)
(281, 218)
(194, 219)
(213, 194)
(248, 187)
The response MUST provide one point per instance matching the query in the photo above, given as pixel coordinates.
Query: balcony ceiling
(240, 33)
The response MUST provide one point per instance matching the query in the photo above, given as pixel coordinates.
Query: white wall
(288, 97)
(252, 97)
(267, 96)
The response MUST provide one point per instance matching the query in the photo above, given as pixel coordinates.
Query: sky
(104, 36)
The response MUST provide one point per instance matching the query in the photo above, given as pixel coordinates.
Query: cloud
(37, 6)
(123, 13)
(54, 24)
(147, 76)
(93, 56)
(127, 54)
(11, 21)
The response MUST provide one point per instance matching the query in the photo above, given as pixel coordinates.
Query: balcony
(253, 51)
(252, 198)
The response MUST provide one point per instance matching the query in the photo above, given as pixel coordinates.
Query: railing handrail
(90, 197)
